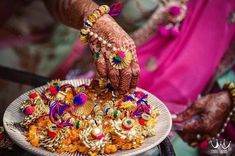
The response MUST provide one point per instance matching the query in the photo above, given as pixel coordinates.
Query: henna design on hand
(212, 109)
(72, 13)
(109, 30)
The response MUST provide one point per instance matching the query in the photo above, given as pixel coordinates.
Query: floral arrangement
(90, 119)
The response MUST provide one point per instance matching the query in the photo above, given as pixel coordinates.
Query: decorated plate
(13, 115)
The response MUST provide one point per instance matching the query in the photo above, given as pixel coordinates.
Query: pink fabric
(186, 63)
(230, 132)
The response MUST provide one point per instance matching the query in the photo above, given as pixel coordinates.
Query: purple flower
(80, 99)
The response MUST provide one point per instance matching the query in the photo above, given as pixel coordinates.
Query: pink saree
(186, 64)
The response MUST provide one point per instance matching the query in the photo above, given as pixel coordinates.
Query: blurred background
(185, 53)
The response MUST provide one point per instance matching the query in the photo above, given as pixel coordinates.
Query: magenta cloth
(185, 64)
(229, 132)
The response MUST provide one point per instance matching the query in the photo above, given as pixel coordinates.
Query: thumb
(188, 113)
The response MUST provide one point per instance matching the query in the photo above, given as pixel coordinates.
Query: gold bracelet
(230, 87)
(119, 58)
(91, 19)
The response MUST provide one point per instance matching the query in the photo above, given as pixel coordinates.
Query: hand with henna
(211, 111)
(123, 80)
(72, 14)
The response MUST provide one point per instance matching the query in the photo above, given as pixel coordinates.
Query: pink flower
(29, 110)
(121, 54)
(175, 10)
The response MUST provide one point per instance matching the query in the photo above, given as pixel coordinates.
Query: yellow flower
(69, 97)
(127, 105)
(151, 122)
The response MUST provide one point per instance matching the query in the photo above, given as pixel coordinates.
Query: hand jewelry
(120, 58)
(91, 19)
(230, 87)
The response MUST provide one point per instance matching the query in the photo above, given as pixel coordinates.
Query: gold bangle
(97, 13)
(84, 31)
(230, 87)
(91, 19)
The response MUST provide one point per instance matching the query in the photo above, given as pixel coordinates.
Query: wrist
(71, 13)
(99, 24)
(227, 98)
(91, 19)
(81, 10)
(88, 11)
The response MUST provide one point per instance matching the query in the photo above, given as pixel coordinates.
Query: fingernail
(173, 116)
(199, 96)
(132, 90)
